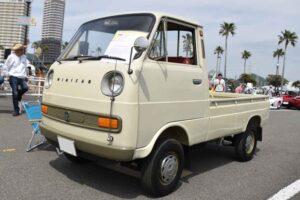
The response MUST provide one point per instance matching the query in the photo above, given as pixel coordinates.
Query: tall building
(53, 21)
(11, 31)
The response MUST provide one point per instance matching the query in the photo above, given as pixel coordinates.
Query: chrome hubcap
(249, 143)
(168, 169)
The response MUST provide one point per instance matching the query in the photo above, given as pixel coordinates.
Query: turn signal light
(106, 122)
(44, 109)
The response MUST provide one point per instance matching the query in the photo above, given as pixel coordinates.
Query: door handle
(197, 81)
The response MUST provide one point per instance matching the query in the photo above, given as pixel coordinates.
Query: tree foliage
(275, 80)
(226, 29)
(188, 44)
(64, 45)
(286, 37)
(232, 84)
(278, 53)
(219, 50)
(247, 78)
(296, 84)
(246, 54)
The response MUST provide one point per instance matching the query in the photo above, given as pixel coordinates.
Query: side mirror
(140, 45)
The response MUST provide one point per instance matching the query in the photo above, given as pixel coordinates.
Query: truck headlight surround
(49, 79)
(107, 87)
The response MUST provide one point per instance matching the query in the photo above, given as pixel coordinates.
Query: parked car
(275, 102)
(295, 102)
(143, 101)
(288, 98)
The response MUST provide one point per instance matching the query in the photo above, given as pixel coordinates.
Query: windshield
(93, 38)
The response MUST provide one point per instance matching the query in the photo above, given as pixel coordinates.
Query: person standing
(15, 68)
(240, 88)
(219, 84)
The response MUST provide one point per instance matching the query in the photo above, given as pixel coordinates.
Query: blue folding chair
(34, 115)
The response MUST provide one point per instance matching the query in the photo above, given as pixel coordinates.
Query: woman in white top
(15, 68)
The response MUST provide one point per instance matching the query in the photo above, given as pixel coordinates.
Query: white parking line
(287, 192)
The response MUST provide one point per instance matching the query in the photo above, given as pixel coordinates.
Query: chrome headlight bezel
(107, 87)
(49, 79)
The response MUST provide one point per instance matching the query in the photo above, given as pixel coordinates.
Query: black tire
(245, 144)
(76, 160)
(167, 154)
(279, 106)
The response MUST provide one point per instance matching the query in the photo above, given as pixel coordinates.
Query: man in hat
(15, 68)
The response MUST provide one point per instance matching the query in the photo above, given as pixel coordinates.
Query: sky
(258, 25)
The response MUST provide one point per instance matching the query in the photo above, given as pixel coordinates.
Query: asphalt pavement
(214, 172)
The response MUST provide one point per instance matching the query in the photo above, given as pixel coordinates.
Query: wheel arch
(255, 121)
(173, 130)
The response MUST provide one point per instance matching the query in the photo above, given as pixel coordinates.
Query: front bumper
(101, 150)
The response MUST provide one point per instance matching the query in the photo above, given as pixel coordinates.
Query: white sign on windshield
(121, 44)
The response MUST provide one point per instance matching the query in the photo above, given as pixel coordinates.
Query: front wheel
(245, 144)
(162, 169)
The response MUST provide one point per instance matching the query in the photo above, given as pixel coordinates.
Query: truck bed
(230, 112)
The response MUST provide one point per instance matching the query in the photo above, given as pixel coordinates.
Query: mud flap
(259, 133)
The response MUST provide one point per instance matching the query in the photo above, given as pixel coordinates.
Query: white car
(275, 102)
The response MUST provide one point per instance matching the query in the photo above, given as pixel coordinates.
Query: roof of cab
(161, 14)
(158, 15)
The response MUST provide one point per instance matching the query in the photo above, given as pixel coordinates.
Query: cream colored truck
(134, 88)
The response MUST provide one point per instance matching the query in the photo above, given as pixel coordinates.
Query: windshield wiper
(74, 57)
(100, 57)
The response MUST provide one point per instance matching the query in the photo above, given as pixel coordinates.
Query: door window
(176, 44)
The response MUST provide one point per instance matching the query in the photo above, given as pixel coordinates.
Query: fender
(145, 151)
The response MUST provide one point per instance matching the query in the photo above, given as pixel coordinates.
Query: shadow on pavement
(99, 178)
(6, 111)
(207, 158)
(203, 159)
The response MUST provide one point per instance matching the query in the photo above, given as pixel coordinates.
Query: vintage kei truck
(133, 88)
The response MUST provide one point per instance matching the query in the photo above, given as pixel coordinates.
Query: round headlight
(112, 84)
(49, 79)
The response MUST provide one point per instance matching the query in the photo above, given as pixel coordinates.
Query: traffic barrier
(35, 87)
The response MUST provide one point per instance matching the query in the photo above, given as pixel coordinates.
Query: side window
(180, 44)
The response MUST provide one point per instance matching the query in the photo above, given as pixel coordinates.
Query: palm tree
(218, 51)
(278, 53)
(35, 46)
(44, 49)
(226, 30)
(286, 37)
(64, 45)
(245, 55)
(187, 44)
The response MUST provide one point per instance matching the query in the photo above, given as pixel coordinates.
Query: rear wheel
(245, 144)
(162, 169)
